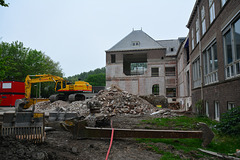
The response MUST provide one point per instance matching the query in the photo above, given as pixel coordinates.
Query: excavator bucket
(24, 125)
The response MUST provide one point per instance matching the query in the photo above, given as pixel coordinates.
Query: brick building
(142, 66)
(183, 76)
(214, 45)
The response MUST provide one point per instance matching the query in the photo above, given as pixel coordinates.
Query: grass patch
(182, 122)
(220, 144)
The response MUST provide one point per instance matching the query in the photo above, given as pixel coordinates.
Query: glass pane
(237, 38)
(238, 68)
(215, 56)
(210, 60)
(205, 63)
(228, 45)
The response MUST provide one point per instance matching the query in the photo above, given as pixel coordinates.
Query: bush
(230, 122)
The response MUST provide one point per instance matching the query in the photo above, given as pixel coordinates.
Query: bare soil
(59, 144)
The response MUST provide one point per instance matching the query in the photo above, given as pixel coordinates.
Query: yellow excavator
(78, 91)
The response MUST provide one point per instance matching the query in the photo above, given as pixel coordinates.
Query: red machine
(10, 91)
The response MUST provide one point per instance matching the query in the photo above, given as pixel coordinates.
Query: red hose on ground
(110, 142)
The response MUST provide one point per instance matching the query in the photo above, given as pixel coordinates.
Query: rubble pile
(61, 106)
(112, 101)
(115, 101)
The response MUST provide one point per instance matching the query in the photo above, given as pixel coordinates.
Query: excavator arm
(39, 78)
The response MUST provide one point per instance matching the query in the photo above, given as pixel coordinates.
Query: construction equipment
(24, 124)
(68, 92)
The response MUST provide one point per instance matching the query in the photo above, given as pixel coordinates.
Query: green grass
(220, 144)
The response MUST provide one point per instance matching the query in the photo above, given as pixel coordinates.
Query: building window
(231, 39)
(203, 21)
(192, 40)
(211, 10)
(171, 49)
(170, 92)
(155, 89)
(138, 68)
(135, 43)
(197, 31)
(231, 105)
(155, 72)
(217, 111)
(113, 58)
(207, 109)
(196, 72)
(210, 61)
(170, 71)
(223, 2)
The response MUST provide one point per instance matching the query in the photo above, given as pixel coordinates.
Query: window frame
(212, 15)
(207, 108)
(155, 89)
(113, 58)
(230, 105)
(217, 110)
(155, 73)
(196, 72)
(232, 65)
(203, 20)
(210, 68)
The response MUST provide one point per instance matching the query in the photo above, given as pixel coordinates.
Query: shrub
(230, 122)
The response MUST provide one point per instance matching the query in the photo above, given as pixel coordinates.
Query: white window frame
(210, 76)
(207, 109)
(196, 73)
(211, 10)
(197, 31)
(232, 69)
(203, 21)
(217, 110)
(193, 45)
(230, 105)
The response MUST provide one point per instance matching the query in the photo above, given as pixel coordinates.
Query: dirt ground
(59, 144)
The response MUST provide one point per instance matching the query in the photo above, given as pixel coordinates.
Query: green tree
(2, 3)
(97, 79)
(17, 61)
(83, 76)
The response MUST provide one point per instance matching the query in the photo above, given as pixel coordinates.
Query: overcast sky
(76, 33)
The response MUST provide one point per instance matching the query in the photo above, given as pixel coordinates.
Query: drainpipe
(201, 57)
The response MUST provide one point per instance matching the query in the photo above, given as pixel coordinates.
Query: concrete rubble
(113, 101)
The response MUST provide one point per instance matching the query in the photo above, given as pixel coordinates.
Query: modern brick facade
(215, 55)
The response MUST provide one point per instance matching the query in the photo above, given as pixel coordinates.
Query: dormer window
(135, 43)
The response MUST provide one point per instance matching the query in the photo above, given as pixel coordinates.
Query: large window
(134, 64)
(138, 68)
(210, 61)
(231, 37)
(207, 109)
(193, 40)
(211, 10)
(196, 73)
(203, 21)
(197, 31)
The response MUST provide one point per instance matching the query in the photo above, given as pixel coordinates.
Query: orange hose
(110, 142)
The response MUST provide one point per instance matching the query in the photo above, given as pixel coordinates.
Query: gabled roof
(171, 46)
(145, 42)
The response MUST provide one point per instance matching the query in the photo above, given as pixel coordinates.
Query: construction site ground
(126, 111)
(59, 144)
